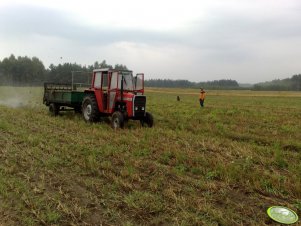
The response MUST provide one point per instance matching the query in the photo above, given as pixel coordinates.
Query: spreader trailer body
(62, 95)
(113, 93)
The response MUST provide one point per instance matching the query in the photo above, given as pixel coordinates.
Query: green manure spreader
(112, 93)
(57, 96)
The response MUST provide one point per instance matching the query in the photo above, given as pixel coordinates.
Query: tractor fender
(98, 98)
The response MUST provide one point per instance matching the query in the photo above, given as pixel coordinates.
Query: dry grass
(224, 164)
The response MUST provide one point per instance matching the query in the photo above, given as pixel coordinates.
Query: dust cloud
(19, 97)
(14, 102)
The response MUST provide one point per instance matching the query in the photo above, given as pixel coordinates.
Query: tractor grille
(139, 106)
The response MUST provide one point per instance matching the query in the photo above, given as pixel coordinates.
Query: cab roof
(110, 70)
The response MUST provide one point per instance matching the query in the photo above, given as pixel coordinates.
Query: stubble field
(224, 164)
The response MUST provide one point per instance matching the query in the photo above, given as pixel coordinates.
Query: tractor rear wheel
(148, 120)
(117, 120)
(54, 109)
(90, 109)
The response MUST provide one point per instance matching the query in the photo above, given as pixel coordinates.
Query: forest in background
(24, 71)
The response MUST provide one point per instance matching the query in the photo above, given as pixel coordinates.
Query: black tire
(90, 109)
(147, 120)
(117, 120)
(54, 109)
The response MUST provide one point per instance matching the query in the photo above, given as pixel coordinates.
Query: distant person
(202, 97)
(178, 98)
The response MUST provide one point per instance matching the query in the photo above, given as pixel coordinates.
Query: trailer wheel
(54, 109)
(90, 109)
(147, 120)
(117, 120)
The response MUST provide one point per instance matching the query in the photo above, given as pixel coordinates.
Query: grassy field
(224, 164)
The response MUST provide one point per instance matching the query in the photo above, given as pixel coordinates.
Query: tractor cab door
(104, 88)
(139, 84)
(112, 90)
(97, 84)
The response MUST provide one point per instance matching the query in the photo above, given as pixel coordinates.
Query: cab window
(97, 80)
(114, 80)
(104, 81)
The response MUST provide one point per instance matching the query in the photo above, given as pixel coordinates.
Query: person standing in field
(202, 97)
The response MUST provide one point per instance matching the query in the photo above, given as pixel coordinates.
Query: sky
(196, 40)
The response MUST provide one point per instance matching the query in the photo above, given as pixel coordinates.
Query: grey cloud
(26, 20)
(237, 43)
(230, 28)
(229, 36)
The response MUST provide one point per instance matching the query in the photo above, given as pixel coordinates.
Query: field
(224, 164)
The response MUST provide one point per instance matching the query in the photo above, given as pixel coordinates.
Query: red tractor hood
(126, 96)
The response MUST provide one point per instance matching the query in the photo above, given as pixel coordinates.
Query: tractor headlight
(136, 108)
(142, 108)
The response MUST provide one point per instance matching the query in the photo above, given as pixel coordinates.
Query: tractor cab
(117, 92)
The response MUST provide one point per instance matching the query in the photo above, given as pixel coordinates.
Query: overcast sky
(198, 40)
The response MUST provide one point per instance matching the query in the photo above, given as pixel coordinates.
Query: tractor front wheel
(54, 109)
(117, 120)
(90, 109)
(148, 120)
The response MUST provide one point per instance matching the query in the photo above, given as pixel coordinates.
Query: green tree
(62, 73)
(21, 70)
(120, 67)
(104, 64)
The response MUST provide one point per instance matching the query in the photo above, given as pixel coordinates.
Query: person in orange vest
(202, 97)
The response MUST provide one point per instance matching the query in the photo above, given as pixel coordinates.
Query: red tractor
(117, 94)
(112, 93)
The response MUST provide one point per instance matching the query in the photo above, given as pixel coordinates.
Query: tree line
(20, 71)
(31, 71)
(216, 84)
(293, 84)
